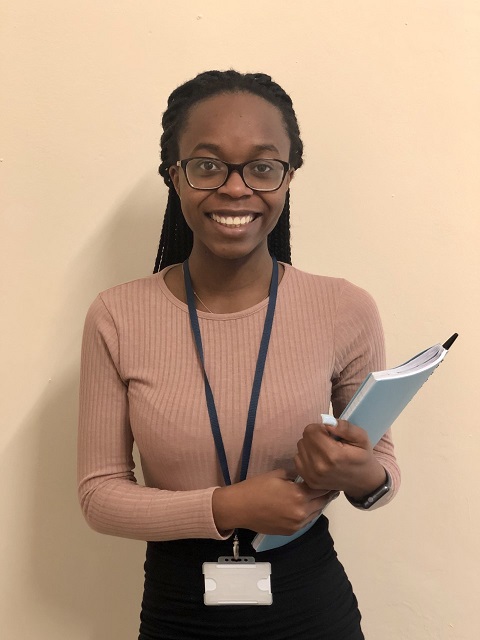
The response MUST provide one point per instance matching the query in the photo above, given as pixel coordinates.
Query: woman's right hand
(267, 503)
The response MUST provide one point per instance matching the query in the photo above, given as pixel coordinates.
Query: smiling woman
(229, 217)
(218, 366)
(181, 103)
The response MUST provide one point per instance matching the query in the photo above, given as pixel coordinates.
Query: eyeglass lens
(208, 173)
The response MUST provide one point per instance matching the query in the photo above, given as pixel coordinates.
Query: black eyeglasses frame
(230, 169)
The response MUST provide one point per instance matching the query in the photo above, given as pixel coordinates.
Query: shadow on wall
(84, 584)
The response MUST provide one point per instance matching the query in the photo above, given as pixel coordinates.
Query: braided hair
(176, 240)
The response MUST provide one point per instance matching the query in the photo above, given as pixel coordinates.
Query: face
(232, 221)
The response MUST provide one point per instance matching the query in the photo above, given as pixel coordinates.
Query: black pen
(446, 345)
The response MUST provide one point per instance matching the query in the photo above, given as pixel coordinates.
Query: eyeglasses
(209, 173)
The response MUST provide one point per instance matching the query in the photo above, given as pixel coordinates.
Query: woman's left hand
(347, 464)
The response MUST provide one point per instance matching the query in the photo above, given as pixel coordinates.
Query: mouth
(233, 222)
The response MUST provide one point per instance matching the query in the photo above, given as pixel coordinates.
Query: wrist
(224, 508)
(369, 481)
(369, 500)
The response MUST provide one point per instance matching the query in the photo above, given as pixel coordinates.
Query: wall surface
(387, 95)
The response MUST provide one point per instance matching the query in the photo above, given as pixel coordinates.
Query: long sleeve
(111, 499)
(359, 350)
(141, 382)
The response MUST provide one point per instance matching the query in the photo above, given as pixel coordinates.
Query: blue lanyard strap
(257, 380)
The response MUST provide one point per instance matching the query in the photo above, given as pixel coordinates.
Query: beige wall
(388, 99)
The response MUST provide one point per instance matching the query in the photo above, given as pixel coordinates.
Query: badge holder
(234, 580)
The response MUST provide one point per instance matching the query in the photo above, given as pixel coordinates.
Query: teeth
(229, 221)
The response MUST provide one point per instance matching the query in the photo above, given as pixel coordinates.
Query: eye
(206, 165)
(261, 167)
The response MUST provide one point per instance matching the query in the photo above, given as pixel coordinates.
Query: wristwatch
(368, 501)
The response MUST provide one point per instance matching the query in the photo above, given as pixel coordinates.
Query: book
(377, 403)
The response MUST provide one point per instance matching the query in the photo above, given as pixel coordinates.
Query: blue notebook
(377, 403)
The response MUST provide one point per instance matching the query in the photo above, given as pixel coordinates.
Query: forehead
(238, 124)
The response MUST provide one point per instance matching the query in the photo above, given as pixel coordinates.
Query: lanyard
(257, 381)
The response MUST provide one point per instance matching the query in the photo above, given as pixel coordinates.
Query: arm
(111, 500)
(268, 503)
(351, 465)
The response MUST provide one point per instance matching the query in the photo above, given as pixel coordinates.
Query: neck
(230, 285)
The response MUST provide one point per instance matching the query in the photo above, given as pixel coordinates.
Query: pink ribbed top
(141, 380)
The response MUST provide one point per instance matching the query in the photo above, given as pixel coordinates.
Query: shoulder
(123, 301)
(132, 288)
(337, 292)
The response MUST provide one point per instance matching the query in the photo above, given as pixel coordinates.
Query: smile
(230, 221)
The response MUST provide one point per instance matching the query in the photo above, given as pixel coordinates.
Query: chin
(237, 252)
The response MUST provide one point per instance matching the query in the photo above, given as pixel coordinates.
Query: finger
(349, 432)
(315, 494)
(317, 506)
(299, 464)
(315, 429)
(305, 462)
(291, 474)
(302, 456)
(314, 442)
(283, 474)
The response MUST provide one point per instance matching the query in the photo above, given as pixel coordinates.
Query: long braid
(176, 239)
(279, 238)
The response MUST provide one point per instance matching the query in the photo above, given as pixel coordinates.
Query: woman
(173, 361)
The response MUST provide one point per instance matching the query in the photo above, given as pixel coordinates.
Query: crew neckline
(205, 315)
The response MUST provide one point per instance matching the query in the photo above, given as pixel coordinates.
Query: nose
(235, 186)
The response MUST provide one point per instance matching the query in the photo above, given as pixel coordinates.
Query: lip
(234, 213)
(232, 220)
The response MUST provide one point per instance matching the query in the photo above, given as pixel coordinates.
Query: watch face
(374, 497)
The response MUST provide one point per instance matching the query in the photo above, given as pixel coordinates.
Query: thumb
(348, 432)
(284, 474)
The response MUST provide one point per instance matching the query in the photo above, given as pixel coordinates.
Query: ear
(289, 177)
(173, 172)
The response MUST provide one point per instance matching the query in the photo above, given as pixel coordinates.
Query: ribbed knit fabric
(141, 380)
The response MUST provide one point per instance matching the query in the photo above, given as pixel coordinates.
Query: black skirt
(312, 596)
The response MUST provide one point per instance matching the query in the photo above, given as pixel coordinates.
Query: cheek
(277, 203)
(191, 200)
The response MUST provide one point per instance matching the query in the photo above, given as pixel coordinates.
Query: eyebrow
(215, 148)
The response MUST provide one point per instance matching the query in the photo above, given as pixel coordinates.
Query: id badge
(237, 581)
